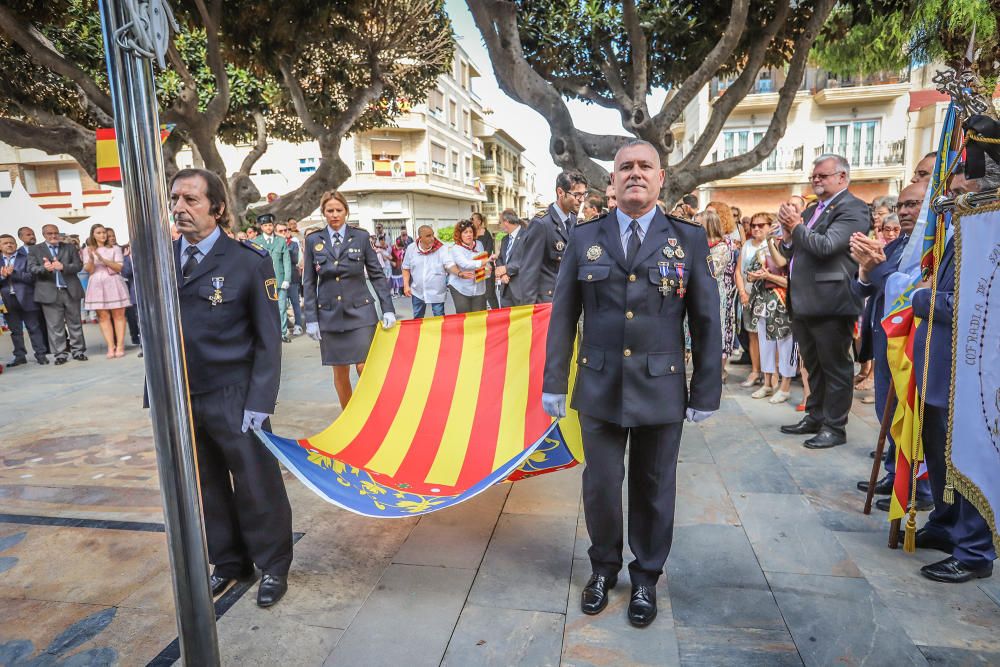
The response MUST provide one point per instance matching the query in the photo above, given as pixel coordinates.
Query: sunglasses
(758, 226)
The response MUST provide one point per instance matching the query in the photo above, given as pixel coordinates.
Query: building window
(467, 123)
(734, 142)
(453, 113)
(307, 164)
(435, 102)
(455, 162)
(771, 162)
(6, 184)
(439, 160)
(856, 141)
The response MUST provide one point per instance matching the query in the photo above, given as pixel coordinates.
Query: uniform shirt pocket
(362, 302)
(591, 357)
(594, 273)
(665, 363)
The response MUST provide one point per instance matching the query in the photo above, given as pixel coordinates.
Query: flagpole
(129, 41)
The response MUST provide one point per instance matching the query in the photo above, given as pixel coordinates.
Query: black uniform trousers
(19, 319)
(825, 345)
(959, 523)
(652, 488)
(248, 519)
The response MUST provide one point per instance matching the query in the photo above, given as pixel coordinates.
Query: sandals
(756, 380)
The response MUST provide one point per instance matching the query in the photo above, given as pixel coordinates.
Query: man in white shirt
(425, 277)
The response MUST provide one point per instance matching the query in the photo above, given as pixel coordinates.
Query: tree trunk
(329, 175)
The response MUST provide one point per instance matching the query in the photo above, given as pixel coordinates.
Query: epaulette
(315, 231)
(593, 220)
(256, 248)
(684, 220)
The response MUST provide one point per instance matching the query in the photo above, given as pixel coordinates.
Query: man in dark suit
(58, 290)
(232, 346)
(17, 286)
(549, 233)
(875, 264)
(824, 308)
(515, 289)
(634, 274)
(957, 528)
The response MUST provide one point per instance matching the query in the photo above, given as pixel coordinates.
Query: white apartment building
(56, 183)
(883, 124)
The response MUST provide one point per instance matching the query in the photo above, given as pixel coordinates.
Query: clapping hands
(867, 252)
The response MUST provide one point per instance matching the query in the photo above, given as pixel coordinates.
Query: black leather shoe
(953, 571)
(272, 588)
(219, 584)
(807, 425)
(883, 487)
(16, 361)
(928, 540)
(61, 360)
(595, 594)
(80, 357)
(871, 455)
(825, 439)
(642, 607)
(922, 505)
(42, 361)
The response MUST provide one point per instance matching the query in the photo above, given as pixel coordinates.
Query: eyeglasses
(758, 226)
(579, 196)
(909, 203)
(820, 177)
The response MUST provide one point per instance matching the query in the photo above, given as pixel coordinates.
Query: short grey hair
(888, 201)
(637, 142)
(509, 216)
(892, 220)
(839, 160)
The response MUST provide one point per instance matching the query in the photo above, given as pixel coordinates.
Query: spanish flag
(108, 164)
(446, 407)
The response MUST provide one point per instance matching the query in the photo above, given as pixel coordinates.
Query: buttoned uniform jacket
(277, 248)
(237, 340)
(23, 282)
(46, 290)
(822, 271)
(333, 282)
(631, 355)
(549, 238)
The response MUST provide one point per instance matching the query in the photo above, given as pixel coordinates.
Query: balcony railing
(866, 155)
(781, 159)
(486, 168)
(826, 80)
(489, 209)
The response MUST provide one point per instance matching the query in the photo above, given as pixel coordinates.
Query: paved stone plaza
(773, 562)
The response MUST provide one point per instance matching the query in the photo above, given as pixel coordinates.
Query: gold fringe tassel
(910, 537)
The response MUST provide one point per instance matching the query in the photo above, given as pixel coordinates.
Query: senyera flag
(108, 165)
(446, 407)
(973, 450)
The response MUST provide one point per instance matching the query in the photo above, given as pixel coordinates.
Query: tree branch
(211, 16)
(63, 136)
(298, 97)
(260, 146)
(720, 53)
(640, 53)
(44, 53)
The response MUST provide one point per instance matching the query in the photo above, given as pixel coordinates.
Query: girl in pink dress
(106, 289)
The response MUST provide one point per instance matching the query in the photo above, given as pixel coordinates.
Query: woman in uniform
(339, 308)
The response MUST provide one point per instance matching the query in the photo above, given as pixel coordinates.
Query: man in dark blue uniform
(634, 274)
(548, 234)
(232, 348)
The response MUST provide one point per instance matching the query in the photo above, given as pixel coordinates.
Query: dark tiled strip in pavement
(172, 653)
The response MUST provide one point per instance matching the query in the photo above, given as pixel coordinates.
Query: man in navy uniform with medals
(548, 234)
(634, 273)
(232, 348)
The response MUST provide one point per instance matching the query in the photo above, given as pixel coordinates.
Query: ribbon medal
(679, 269)
(216, 298)
(666, 284)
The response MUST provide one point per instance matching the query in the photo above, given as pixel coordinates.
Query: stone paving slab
(268, 641)
(607, 639)
(787, 537)
(840, 620)
(527, 565)
(491, 636)
(736, 647)
(702, 497)
(547, 495)
(408, 619)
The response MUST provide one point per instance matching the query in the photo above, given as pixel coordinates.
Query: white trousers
(783, 349)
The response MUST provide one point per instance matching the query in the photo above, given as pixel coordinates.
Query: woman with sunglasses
(753, 249)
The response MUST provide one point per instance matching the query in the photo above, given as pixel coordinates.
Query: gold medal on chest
(594, 253)
(318, 247)
(560, 246)
(679, 253)
(216, 298)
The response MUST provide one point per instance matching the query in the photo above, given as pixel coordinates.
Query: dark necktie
(191, 262)
(633, 243)
(54, 251)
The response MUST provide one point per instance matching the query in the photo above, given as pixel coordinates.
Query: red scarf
(437, 244)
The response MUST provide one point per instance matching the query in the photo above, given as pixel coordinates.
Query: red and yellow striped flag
(481, 272)
(108, 164)
(446, 407)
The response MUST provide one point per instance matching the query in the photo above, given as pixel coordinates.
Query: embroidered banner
(446, 407)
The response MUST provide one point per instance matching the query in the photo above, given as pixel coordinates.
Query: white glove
(284, 285)
(554, 405)
(312, 330)
(388, 320)
(254, 420)
(695, 416)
